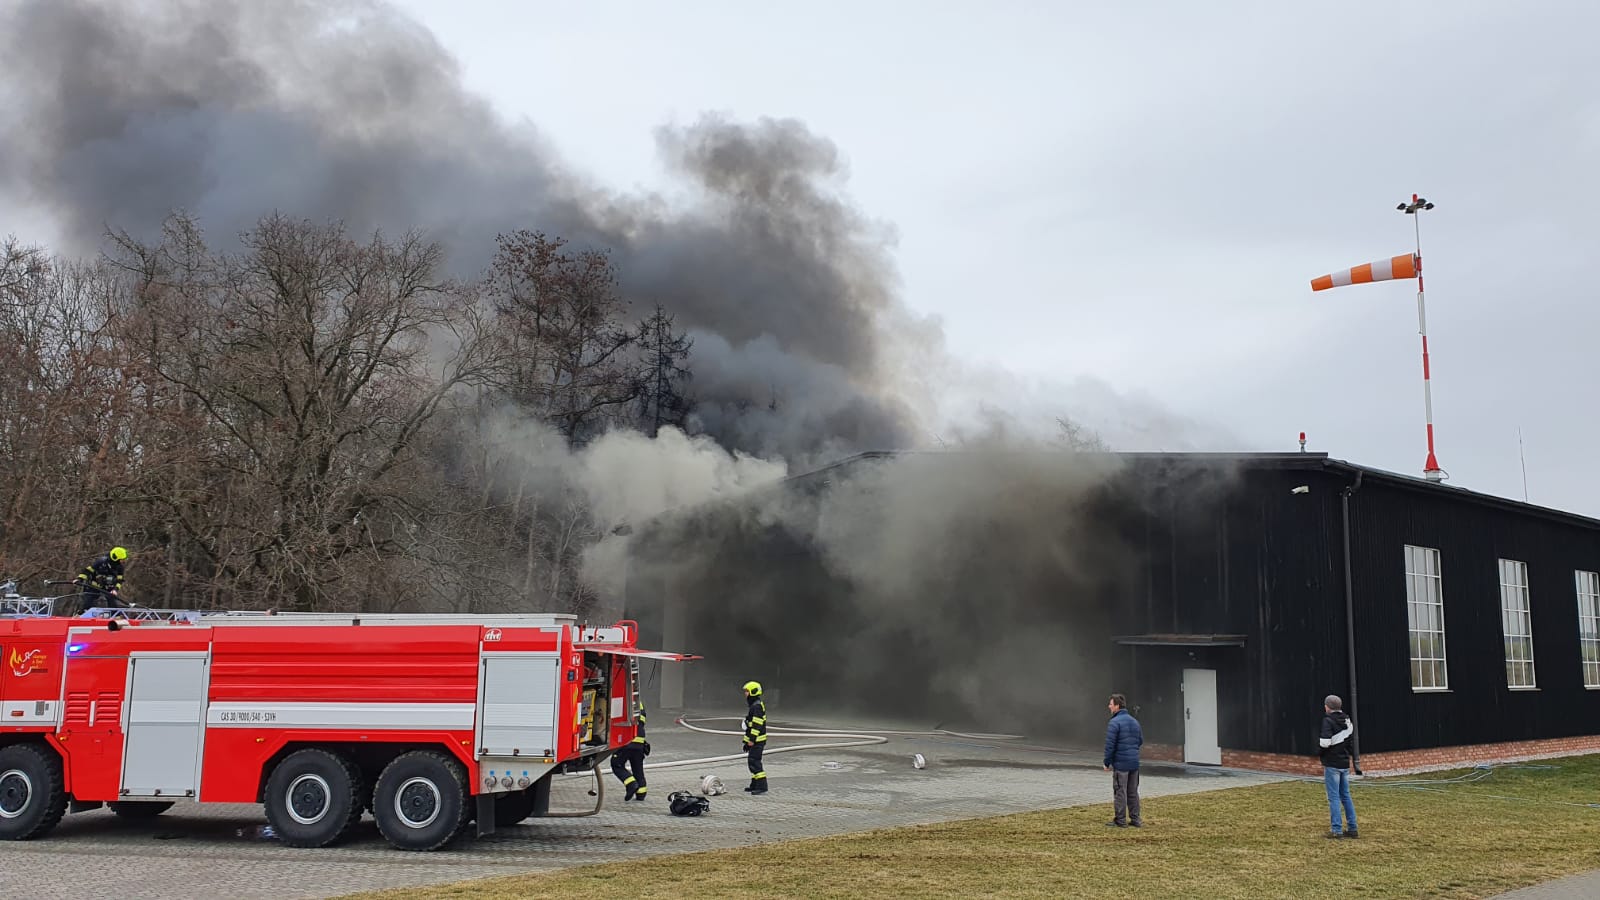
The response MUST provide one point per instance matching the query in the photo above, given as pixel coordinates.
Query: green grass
(1513, 828)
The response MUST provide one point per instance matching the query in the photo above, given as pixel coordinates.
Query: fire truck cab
(427, 721)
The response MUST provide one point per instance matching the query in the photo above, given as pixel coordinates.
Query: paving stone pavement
(199, 851)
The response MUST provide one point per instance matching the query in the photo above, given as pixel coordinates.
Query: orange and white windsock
(1404, 266)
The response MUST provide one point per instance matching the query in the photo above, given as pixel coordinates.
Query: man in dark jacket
(102, 581)
(1124, 737)
(631, 755)
(755, 736)
(1337, 732)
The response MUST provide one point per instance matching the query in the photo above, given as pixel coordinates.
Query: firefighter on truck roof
(632, 754)
(102, 581)
(755, 736)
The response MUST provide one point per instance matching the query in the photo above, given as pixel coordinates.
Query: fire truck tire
(421, 800)
(33, 794)
(139, 809)
(313, 798)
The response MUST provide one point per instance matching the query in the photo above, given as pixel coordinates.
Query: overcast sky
(1141, 193)
(1138, 198)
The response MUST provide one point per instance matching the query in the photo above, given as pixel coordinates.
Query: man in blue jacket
(1124, 737)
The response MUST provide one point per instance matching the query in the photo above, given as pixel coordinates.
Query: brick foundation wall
(1395, 763)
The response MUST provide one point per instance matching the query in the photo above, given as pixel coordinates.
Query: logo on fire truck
(492, 634)
(26, 663)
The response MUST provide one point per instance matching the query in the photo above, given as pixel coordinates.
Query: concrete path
(209, 852)
(1574, 887)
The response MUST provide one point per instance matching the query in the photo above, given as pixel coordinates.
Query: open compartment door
(632, 651)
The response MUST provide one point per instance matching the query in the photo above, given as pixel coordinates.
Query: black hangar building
(1224, 594)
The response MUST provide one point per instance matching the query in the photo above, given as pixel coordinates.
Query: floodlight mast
(1430, 468)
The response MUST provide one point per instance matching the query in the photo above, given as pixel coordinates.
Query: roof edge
(1298, 460)
(1274, 459)
(1420, 485)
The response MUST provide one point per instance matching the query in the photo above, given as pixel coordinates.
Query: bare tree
(664, 353)
(301, 422)
(565, 316)
(64, 408)
(20, 269)
(314, 364)
(1078, 437)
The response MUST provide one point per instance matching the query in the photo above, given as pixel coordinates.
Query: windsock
(1403, 266)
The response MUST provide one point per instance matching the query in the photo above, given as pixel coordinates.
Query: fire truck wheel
(313, 798)
(33, 795)
(139, 809)
(421, 800)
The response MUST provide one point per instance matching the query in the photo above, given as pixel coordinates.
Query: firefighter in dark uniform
(632, 755)
(755, 736)
(102, 581)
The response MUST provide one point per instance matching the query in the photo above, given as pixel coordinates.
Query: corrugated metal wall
(1268, 563)
(1226, 548)
(1470, 538)
(1245, 556)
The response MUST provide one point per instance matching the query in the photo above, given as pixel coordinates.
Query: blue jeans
(1337, 781)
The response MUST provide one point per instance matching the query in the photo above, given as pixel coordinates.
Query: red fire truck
(427, 721)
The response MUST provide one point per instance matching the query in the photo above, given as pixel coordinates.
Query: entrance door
(1200, 717)
(166, 712)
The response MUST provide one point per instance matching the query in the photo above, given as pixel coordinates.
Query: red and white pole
(1430, 468)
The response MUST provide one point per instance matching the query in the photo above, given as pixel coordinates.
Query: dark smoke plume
(116, 113)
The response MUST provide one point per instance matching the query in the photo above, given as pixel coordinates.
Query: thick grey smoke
(117, 112)
(976, 586)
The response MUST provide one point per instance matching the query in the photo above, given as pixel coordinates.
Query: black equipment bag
(683, 803)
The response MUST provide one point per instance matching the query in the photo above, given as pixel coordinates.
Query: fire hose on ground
(829, 739)
(822, 739)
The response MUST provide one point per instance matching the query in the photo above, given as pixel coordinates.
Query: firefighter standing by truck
(632, 755)
(102, 581)
(755, 736)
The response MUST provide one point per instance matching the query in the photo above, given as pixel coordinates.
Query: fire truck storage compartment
(519, 704)
(165, 721)
(594, 725)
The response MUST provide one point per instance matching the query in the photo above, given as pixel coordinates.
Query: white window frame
(1516, 626)
(1430, 670)
(1588, 589)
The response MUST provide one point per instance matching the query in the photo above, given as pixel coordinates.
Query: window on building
(1516, 623)
(1425, 614)
(1589, 626)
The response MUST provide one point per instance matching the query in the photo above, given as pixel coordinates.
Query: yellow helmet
(119, 554)
(752, 688)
